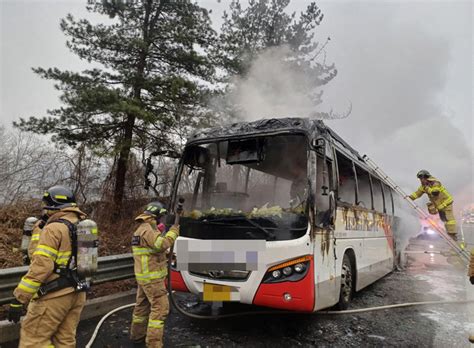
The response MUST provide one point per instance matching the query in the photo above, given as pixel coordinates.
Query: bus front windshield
(245, 189)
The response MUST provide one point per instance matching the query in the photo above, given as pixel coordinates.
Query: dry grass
(114, 235)
(12, 218)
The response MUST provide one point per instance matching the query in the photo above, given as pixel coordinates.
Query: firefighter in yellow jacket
(150, 263)
(441, 200)
(49, 290)
(471, 279)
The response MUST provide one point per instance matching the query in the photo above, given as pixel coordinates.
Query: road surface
(431, 272)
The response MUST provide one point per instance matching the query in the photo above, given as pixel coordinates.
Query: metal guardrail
(114, 267)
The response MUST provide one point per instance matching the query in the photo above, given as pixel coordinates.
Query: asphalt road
(430, 273)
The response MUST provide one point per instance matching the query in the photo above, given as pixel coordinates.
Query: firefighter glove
(15, 311)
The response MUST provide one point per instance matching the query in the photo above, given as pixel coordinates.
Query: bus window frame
(383, 197)
(393, 201)
(370, 185)
(338, 200)
(381, 189)
(387, 188)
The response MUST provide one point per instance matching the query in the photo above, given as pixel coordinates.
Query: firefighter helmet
(156, 209)
(58, 197)
(423, 174)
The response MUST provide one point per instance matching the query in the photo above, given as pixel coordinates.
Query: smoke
(401, 66)
(398, 71)
(276, 85)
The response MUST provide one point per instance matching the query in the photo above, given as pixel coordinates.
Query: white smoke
(396, 78)
(275, 86)
(395, 70)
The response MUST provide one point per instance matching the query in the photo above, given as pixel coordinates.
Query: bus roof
(312, 128)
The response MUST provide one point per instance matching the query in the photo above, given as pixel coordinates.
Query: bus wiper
(268, 234)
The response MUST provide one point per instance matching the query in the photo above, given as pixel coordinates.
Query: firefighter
(49, 288)
(471, 279)
(149, 253)
(440, 200)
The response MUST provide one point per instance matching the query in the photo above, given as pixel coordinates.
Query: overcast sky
(406, 67)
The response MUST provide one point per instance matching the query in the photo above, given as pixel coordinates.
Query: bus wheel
(347, 284)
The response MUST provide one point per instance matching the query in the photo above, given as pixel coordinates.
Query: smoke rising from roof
(276, 86)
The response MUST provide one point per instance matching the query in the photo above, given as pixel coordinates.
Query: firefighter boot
(471, 338)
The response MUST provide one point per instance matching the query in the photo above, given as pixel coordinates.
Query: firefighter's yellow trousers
(52, 322)
(150, 313)
(447, 216)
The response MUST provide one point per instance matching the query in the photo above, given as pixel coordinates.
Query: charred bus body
(280, 213)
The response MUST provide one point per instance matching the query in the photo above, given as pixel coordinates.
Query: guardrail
(114, 267)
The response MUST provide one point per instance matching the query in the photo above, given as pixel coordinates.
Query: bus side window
(393, 201)
(347, 184)
(365, 190)
(378, 195)
(388, 200)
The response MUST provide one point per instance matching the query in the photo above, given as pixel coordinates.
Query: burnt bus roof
(312, 128)
(295, 125)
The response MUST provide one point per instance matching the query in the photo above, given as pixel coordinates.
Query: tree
(249, 31)
(150, 68)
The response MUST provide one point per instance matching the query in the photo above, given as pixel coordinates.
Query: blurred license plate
(217, 293)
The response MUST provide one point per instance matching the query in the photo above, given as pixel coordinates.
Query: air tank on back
(87, 245)
(27, 230)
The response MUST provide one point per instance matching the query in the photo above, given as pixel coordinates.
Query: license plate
(217, 293)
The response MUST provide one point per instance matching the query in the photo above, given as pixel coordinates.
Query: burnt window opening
(364, 190)
(346, 181)
(377, 195)
(252, 189)
(387, 192)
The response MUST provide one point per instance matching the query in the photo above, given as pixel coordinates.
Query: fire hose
(247, 313)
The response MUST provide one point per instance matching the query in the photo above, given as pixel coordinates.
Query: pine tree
(147, 84)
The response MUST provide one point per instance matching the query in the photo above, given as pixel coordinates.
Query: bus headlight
(292, 271)
(276, 274)
(299, 267)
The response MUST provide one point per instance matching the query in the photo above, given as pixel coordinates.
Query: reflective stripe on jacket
(53, 250)
(436, 192)
(149, 250)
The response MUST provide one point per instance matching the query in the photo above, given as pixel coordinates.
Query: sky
(406, 67)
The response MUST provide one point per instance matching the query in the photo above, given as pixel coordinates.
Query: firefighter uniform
(35, 235)
(51, 320)
(150, 264)
(441, 201)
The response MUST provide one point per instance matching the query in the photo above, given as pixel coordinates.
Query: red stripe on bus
(177, 282)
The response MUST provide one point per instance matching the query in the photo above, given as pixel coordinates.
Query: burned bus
(281, 213)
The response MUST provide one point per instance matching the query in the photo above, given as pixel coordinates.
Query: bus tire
(347, 283)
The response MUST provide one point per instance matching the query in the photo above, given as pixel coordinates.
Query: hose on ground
(239, 314)
(96, 331)
(230, 315)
